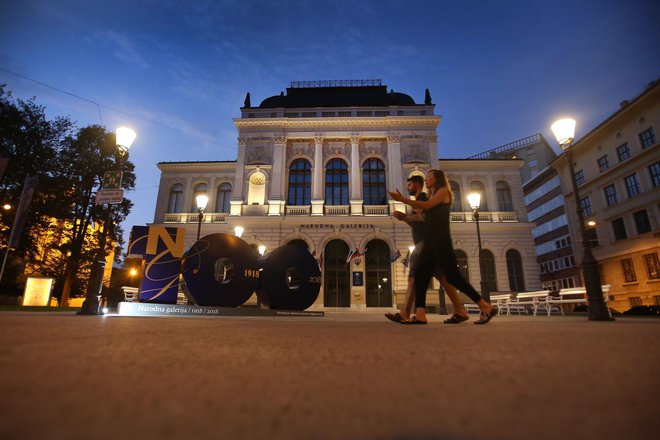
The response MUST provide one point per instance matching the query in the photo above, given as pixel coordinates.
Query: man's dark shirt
(418, 227)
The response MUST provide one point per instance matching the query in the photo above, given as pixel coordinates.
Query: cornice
(388, 121)
(189, 166)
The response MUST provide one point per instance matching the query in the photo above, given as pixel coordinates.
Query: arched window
(336, 182)
(504, 201)
(458, 205)
(488, 269)
(462, 260)
(478, 187)
(175, 202)
(200, 188)
(300, 183)
(514, 267)
(257, 189)
(378, 274)
(373, 182)
(336, 288)
(222, 198)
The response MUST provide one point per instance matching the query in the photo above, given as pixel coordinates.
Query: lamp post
(474, 199)
(202, 200)
(124, 139)
(564, 131)
(238, 231)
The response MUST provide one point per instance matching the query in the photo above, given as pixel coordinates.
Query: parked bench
(501, 300)
(534, 299)
(574, 295)
(131, 294)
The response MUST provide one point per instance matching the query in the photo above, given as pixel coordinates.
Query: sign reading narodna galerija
(222, 270)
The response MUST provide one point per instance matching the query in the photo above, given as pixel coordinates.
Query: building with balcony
(617, 170)
(313, 168)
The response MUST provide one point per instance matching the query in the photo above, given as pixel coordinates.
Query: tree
(83, 161)
(31, 143)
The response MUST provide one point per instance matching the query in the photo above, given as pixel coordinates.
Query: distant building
(313, 168)
(617, 168)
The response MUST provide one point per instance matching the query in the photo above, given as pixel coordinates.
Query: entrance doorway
(379, 274)
(336, 286)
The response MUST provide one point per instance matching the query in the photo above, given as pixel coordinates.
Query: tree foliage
(60, 237)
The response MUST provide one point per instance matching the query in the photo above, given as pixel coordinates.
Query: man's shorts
(414, 261)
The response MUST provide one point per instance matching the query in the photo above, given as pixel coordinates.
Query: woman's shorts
(414, 261)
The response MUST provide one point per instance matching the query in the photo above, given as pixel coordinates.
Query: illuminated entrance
(379, 274)
(336, 288)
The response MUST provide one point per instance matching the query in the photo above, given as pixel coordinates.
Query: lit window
(652, 266)
(628, 270)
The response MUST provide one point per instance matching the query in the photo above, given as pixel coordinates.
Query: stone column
(276, 199)
(317, 177)
(395, 172)
(356, 177)
(237, 198)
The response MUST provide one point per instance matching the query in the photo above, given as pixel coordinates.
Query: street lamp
(262, 249)
(124, 139)
(238, 231)
(564, 131)
(202, 200)
(474, 199)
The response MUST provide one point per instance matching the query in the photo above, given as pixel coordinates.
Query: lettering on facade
(341, 226)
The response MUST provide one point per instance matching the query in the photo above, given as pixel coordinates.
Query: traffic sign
(112, 179)
(109, 196)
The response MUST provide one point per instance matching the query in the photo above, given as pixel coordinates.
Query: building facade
(313, 168)
(617, 167)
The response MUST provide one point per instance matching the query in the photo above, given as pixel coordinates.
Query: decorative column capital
(318, 140)
(433, 138)
(242, 141)
(393, 138)
(279, 139)
(355, 140)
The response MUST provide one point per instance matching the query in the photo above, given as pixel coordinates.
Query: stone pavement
(343, 376)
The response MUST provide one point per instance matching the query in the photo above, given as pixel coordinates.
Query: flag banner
(396, 256)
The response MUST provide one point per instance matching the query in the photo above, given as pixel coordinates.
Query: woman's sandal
(484, 317)
(456, 319)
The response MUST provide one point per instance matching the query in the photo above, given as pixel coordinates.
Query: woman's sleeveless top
(436, 222)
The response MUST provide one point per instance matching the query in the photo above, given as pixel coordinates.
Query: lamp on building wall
(474, 199)
(202, 200)
(564, 131)
(238, 231)
(124, 139)
(262, 249)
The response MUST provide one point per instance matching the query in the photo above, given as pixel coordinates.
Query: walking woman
(438, 248)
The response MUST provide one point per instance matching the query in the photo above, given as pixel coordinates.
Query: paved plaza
(342, 376)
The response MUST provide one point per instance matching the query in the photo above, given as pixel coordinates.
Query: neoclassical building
(313, 168)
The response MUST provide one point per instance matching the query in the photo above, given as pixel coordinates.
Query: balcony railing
(376, 210)
(298, 210)
(336, 209)
(187, 217)
(485, 217)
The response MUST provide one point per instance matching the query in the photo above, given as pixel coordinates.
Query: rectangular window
(344, 114)
(291, 115)
(328, 114)
(603, 163)
(364, 113)
(610, 195)
(308, 114)
(652, 266)
(623, 152)
(619, 228)
(632, 185)
(628, 270)
(647, 138)
(381, 113)
(635, 301)
(642, 221)
(654, 170)
(579, 177)
(585, 204)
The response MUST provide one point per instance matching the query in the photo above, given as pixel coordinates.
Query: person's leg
(423, 274)
(452, 293)
(410, 298)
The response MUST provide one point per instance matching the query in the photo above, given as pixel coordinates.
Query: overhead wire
(99, 105)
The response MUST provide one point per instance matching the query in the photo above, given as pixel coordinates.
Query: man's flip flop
(484, 318)
(396, 317)
(414, 321)
(456, 319)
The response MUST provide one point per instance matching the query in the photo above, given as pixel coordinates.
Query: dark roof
(306, 97)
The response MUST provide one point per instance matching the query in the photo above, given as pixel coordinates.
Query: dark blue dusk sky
(497, 70)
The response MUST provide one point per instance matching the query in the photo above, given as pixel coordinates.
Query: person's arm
(440, 196)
